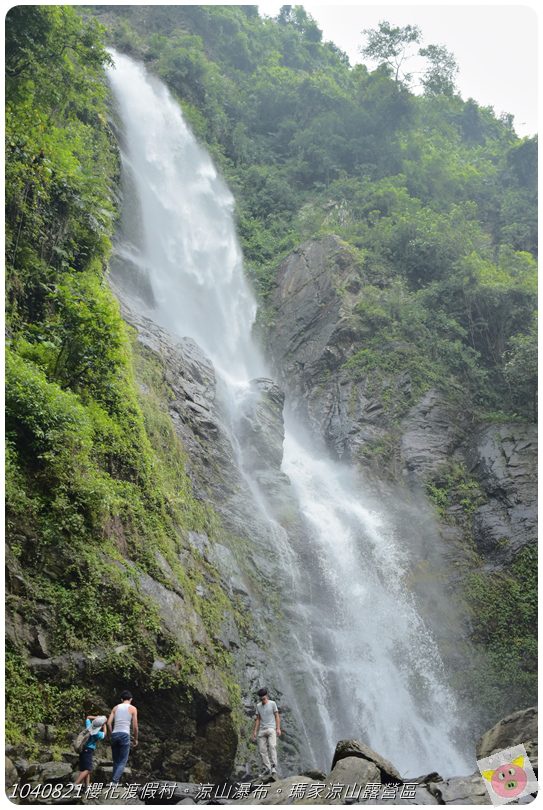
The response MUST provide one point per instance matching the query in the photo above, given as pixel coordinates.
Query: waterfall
(356, 659)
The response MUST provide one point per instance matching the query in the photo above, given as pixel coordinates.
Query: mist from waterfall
(356, 658)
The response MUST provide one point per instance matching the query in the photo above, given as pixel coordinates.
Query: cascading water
(356, 659)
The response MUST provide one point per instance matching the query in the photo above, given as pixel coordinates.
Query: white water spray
(358, 660)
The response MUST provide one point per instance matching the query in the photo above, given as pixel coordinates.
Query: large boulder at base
(50, 772)
(351, 770)
(10, 773)
(516, 729)
(103, 772)
(461, 790)
(355, 748)
(349, 774)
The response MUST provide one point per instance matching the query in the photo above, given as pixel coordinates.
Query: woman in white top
(119, 724)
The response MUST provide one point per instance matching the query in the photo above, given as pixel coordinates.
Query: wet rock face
(504, 459)
(312, 336)
(189, 377)
(519, 728)
(307, 303)
(226, 470)
(315, 331)
(261, 428)
(430, 433)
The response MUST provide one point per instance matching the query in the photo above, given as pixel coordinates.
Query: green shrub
(503, 608)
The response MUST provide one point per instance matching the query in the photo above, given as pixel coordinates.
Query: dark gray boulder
(353, 771)
(11, 777)
(356, 748)
(461, 790)
(50, 772)
(516, 729)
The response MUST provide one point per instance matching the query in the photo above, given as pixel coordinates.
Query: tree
(393, 46)
(438, 79)
(520, 371)
(58, 152)
(298, 17)
(50, 40)
(390, 45)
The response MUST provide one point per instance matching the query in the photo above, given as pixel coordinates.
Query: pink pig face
(508, 780)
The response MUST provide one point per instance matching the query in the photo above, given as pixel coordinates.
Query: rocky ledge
(358, 775)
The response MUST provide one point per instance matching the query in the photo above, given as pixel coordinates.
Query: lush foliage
(438, 193)
(95, 475)
(436, 196)
(29, 702)
(504, 607)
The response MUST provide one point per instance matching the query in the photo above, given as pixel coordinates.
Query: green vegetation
(452, 486)
(437, 193)
(95, 475)
(502, 606)
(29, 702)
(436, 197)
(504, 610)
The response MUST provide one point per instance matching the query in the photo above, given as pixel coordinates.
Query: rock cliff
(242, 478)
(480, 476)
(313, 330)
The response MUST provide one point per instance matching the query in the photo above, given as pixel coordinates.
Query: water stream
(356, 659)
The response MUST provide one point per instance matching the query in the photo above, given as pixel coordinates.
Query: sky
(494, 45)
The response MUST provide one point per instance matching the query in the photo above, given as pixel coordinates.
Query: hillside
(391, 242)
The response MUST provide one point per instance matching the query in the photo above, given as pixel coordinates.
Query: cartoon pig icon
(509, 779)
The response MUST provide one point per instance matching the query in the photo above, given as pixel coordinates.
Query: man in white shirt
(122, 722)
(266, 730)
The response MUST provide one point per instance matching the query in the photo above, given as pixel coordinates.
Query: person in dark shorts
(97, 726)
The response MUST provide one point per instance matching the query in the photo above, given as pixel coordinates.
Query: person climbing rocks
(97, 727)
(119, 724)
(266, 730)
